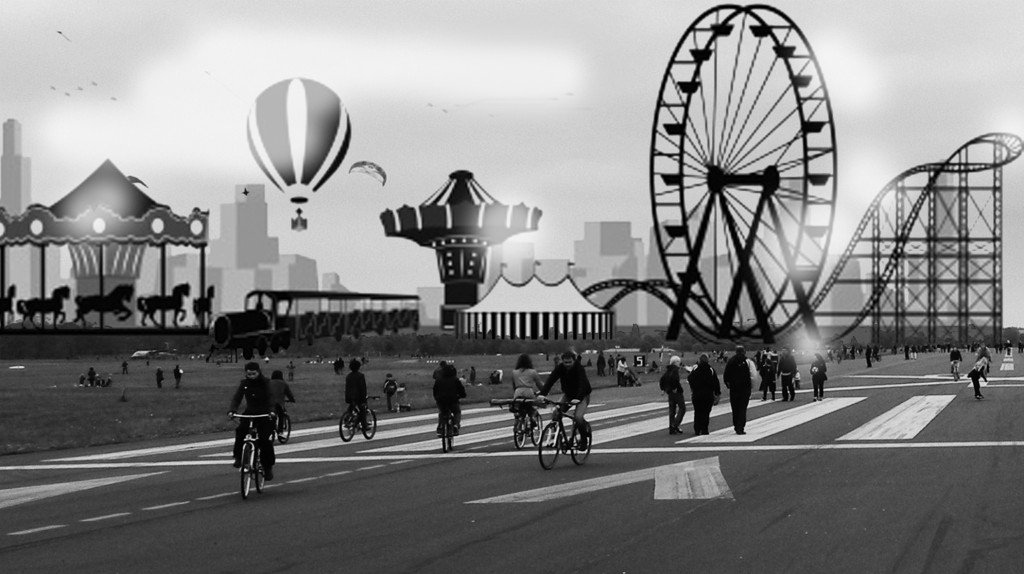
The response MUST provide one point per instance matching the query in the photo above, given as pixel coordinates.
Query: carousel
(107, 223)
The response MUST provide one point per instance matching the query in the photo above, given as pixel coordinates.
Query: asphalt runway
(898, 470)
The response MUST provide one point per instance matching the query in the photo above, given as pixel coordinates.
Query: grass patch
(45, 409)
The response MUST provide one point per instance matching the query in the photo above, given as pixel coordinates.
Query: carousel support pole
(202, 284)
(3, 283)
(100, 246)
(163, 284)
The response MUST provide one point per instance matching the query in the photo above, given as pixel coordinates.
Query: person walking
(671, 386)
(620, 371)
(159, 378)
(177, 372)
(738, 379)
(787, 374)
(769, 367)
(124, 367)
(291, 371)
(955, 358)
(978, 372)
(704, 393)
(601, 362)
(818, 376)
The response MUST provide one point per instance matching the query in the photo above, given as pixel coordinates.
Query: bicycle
(448, 433)
(251, 470)
(349, 421)
(554, 440)
(527, 422)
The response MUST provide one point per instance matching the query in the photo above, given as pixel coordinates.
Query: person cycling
(448, 390)
(255, 389)
(525, 383)
(575, 385)
(280, 393)
(355, 391)
(954, 363)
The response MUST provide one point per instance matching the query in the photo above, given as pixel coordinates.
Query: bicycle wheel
(284, 432)
(550, 445)
(579, 455)
(535, 425)
(446, 434)
(519, 432)
(245, 471)
(257, 472)
(370, 425)
(346, 427)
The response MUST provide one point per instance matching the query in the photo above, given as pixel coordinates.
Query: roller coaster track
(1004, 148)
(1007, 148)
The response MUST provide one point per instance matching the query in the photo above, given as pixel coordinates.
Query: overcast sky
(561, 96)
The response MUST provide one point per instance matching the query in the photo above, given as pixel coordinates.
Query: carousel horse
(203, 306)
(55, 304)
(115, 302)
(175, 302)
(7, 303)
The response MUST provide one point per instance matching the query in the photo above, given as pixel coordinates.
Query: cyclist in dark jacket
(704, 392)
(575, 385)
(280, 393)
(671, 386)
(255, 389)
(355, 390)
(448, 390)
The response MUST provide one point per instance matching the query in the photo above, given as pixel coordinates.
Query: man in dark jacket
(575, 385)
(280, 392)
(355, 390)
(787, 373)
(704, 392)
(671, 386)
(448, 390)
(737, 380)
(255, 389)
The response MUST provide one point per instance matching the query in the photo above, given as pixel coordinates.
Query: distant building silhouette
(609, 251)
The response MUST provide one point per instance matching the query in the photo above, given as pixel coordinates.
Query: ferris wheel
(743, 174)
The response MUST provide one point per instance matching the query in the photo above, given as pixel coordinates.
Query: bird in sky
(63, 36)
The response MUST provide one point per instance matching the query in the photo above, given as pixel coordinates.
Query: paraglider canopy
(371, 169)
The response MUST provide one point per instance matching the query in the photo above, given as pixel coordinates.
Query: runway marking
(697, 479)
(108, 516)
(659, 424)
(15, 496)
(34, 530)
(371, 467)
(903, 422)
(169, 505)
(502, 432)
(221, 495)
(775, 423)
(300, 480)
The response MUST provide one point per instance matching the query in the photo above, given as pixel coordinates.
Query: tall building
(23, 265)
(657, 312)
(609, 251)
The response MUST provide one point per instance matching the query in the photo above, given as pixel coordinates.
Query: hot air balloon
(371, 169)
(298, 133)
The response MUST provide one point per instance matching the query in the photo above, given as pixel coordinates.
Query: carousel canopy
(105, 208)
(534, 296)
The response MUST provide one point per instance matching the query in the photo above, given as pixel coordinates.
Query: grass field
(44, 408)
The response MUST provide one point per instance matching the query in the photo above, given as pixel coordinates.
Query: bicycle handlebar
(548, 401)
(238, 416)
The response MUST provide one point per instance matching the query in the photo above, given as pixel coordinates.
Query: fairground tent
(534, 310)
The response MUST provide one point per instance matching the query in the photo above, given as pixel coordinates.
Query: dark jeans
(788, 392)
(702, 413)
(442, 414)
(676, 409)
(819, 388)
(975, 377)
(264, 428)
(739, 398)
(768, 386)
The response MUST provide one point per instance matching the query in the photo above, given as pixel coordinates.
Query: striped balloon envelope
(298, 133)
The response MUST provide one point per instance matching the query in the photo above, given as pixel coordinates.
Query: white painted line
(221, 495)
(98, 518)
(34, 530)
(903, 422)
(691, 479)
(506, 432)
(171, 505)
(14, 496)
(298, 480)
(337, 473)
(603, 436)
(371, 467)
(775, 423)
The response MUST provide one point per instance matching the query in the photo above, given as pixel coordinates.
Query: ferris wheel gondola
(743, 174)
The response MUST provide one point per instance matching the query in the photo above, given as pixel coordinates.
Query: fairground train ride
(743, 167)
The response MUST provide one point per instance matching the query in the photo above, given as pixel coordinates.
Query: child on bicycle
(355, 391)
(575, 385)
(525, 383)
(255, 389)
(280, 393)
(448, 390)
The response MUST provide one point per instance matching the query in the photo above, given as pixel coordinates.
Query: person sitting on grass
(447, 392)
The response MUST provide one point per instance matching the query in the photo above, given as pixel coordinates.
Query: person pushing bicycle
(575, 385)
(255, 389)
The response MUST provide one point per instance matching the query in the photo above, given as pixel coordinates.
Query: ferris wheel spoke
(723, 141)
(749, 146)
(752, 107)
